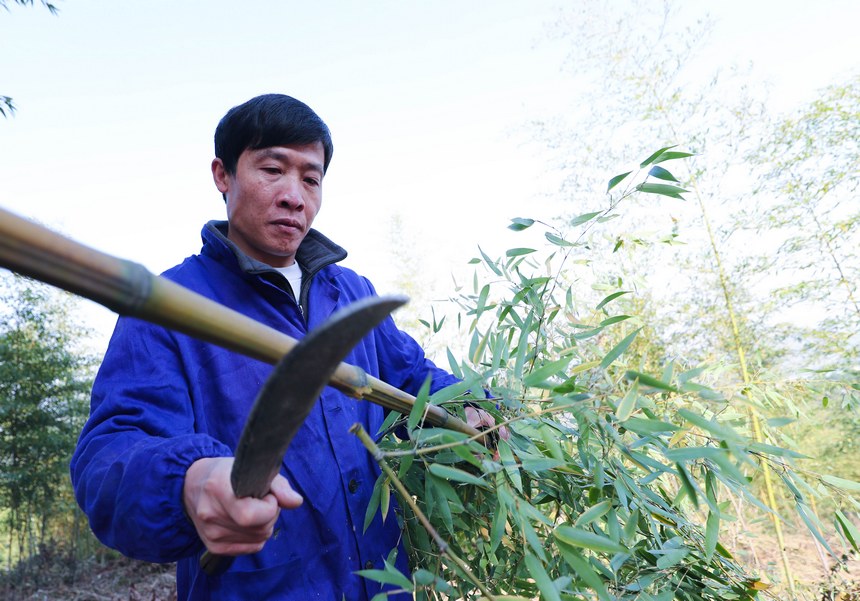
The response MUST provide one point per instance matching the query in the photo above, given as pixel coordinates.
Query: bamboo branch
(129, 289)
(443, 546)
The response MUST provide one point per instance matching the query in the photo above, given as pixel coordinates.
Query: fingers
(478, 417)
(284, 494)
(228, 525)
(481, 420)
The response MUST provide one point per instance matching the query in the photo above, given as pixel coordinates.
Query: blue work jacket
(163, 400)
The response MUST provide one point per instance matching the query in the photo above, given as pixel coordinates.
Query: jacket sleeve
(129, 465)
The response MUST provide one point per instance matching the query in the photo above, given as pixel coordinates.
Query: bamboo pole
(758, 435)
(128, 288)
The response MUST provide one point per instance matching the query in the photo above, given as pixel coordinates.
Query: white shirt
(293, 273)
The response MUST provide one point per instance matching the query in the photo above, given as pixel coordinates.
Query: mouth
(288, 224)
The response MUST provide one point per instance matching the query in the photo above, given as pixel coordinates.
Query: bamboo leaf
(761, 447)
(671, 558)
(712, 531)
(519, 224)
(709, 425)
(578, 537)
(584, 570)
(617, 180)
(812, 523)
(653, 157)
(453, 365)
(661, 173)
(393, 577)
(557, 240)
(532, 538)
(592, 513)
(490, 263)
(540, 376)
(405, 465)
(693, 453)
(482, 300)
(449, 473)
(642, 425)
(842, 483)
(519, 252)
(671, 156)
(848, 529)
(584, 366)
(619, 348)
(662, 190)
(451, 392)
(687, 484)
(541, 578)
(649, 381)
(384, 498)
(416, 414)
(628, 403)
(611, 320)
(373, 504)
(579, 220)
(610, 298)
(500, 520)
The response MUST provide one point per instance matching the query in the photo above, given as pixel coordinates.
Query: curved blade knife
(289, 395)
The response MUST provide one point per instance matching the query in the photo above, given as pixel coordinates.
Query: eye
(271, 170)
(312, 181)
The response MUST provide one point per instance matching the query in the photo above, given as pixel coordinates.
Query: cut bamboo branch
(443, 546)
(128, 288)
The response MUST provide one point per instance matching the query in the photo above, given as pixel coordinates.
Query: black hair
(269, 120)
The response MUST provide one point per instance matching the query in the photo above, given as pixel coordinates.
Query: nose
(290, 194)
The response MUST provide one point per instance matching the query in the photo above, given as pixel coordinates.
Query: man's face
(272, 199)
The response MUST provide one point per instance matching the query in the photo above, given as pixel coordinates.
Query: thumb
(285, 495)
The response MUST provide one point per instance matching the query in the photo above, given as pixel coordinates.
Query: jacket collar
(315, 252)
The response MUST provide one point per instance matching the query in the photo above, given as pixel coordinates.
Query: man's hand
(481, 420)
(226, 524)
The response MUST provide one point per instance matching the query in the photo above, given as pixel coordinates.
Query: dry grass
(111, 578)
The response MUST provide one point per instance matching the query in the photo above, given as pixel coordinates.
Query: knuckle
(244, 516)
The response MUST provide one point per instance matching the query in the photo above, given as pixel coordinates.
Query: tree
(45, 379)
(809, 169)
(716, 297)
(7, 106)
(609, 473)
(618, 473)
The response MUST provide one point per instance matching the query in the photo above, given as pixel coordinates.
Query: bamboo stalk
(128, 288)
(758, 434)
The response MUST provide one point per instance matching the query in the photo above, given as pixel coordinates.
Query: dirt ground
(116, 579)
(818, 576)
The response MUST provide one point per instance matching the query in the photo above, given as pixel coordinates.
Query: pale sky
(118, 101)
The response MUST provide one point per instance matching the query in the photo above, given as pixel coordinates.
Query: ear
(220, 176)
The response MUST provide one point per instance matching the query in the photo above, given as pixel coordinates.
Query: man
(151, 469)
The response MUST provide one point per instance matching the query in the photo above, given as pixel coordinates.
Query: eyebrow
(272, 153)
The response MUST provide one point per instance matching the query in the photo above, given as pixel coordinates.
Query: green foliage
(44, 385)
(7, 106)
(50, 6)
(614, 481)
(809, 174)
(622, 468)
